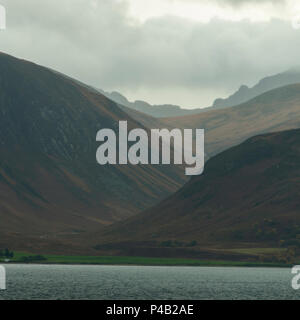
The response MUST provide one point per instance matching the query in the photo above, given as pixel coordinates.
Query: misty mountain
(157, 111)
(245, 93)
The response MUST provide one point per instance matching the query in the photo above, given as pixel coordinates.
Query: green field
(20, 257)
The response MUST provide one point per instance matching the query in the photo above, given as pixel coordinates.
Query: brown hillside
(50, 183)
(248, 195)
(273, 111)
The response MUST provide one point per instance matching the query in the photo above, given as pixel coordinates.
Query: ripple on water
(137, 282)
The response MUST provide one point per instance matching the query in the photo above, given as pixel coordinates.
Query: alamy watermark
(2, 17)
(296, 278)
(2, 278)
(165, 147)
(296, 21)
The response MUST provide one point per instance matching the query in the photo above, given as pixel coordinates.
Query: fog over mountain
(244, 94)
(157, 111)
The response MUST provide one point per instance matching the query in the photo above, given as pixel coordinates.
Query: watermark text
(165, 147)
(2, 17)
(2, 278)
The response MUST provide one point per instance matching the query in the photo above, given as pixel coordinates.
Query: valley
(55, 198)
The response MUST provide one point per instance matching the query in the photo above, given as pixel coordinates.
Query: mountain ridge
(242, 95)
(245, 93)
(274, 110)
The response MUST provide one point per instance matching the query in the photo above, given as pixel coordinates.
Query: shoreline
(28, 259)
(151, 265)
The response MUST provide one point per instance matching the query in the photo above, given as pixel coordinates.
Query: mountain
(248, 196)
(275, 110)
(245, 93)
(156, 111)
(51, 185)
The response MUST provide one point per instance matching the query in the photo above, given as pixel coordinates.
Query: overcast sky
(185, 52)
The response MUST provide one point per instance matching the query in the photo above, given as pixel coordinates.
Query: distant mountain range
(243, 95)
(50, 182)
(157, 111)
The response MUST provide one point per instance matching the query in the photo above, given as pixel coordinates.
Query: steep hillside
(275, 110)
(50, 182)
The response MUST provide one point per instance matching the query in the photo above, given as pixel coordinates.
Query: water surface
(140, 282)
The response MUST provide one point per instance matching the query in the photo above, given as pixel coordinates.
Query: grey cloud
(105, 48)
(235, 3)
(239, 2)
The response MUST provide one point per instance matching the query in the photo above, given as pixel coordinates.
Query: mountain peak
(245, 93)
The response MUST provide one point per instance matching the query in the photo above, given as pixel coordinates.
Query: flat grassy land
(110, 260)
